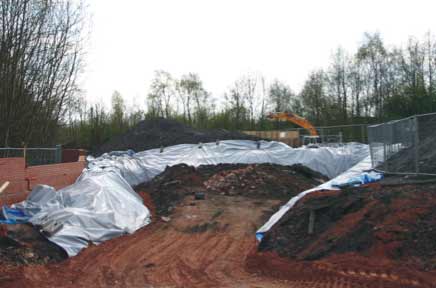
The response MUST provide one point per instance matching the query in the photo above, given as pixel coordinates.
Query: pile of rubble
(258, 181)
(262, 180)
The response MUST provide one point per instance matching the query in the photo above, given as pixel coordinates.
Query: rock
(199, 196)
(165, 219)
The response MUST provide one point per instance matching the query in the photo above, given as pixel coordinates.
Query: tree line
(371, 85)
(41, 52)
(374, 84)
(40, 58)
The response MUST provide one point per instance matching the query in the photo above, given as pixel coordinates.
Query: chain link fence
(338, 133)
(405, 146)
(34, 156)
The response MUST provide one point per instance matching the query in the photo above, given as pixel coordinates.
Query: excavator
(298, 120)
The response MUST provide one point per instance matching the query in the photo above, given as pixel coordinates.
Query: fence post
(58, 154)
(370, 146)
(25, 154)
(416, 145)
(386, 135)
(362, 133)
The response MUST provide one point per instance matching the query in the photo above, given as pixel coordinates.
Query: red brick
(22, 179)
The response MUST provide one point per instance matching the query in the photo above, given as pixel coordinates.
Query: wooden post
(4, 186)
(311, 221)
(25, 155)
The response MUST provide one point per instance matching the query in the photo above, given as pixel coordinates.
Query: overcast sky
(221, 40)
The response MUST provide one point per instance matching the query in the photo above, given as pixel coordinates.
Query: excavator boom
(294, 118)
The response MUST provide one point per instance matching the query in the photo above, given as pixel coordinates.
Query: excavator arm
(294, 118)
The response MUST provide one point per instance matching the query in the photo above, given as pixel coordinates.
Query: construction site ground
(210, 242)
(206, 245)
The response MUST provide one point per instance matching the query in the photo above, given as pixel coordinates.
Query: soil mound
(391, 224)
(259, 181)
(23, 244)
(154, 133)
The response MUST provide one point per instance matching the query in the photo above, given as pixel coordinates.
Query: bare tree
(281, 96)
(249, 84)
(161, 94)
(372, 54)
(338, 83)
(118, 116)
(40, 57)
(314, 97)
(235, 102)
(194, 98)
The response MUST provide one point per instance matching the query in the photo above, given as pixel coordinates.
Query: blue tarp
(13, 216)
(364, 178)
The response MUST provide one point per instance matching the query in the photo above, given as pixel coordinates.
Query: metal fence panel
(405, 145)
(339, 133)
(34, 156)
(427, 143)
(347, 133)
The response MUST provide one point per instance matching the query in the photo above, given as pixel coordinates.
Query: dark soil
(23, 244)
(388, 223)
(149, 134)
(259, 181)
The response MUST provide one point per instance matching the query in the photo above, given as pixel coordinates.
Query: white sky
(223, 39)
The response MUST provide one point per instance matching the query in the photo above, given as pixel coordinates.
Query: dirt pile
(149, 134)
(258, 181)
(262, 181)
(23, 244)
(387, 225)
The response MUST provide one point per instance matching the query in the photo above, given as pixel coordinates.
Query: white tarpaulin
(101, 204)
(143, 166)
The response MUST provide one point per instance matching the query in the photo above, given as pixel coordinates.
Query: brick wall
(56, 175)
(23, 179)
(14, 171)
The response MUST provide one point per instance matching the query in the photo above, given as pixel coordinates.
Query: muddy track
(168, 254)
(206, 243)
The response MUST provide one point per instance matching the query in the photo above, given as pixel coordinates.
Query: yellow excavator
(300, 121)
(294, 118)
